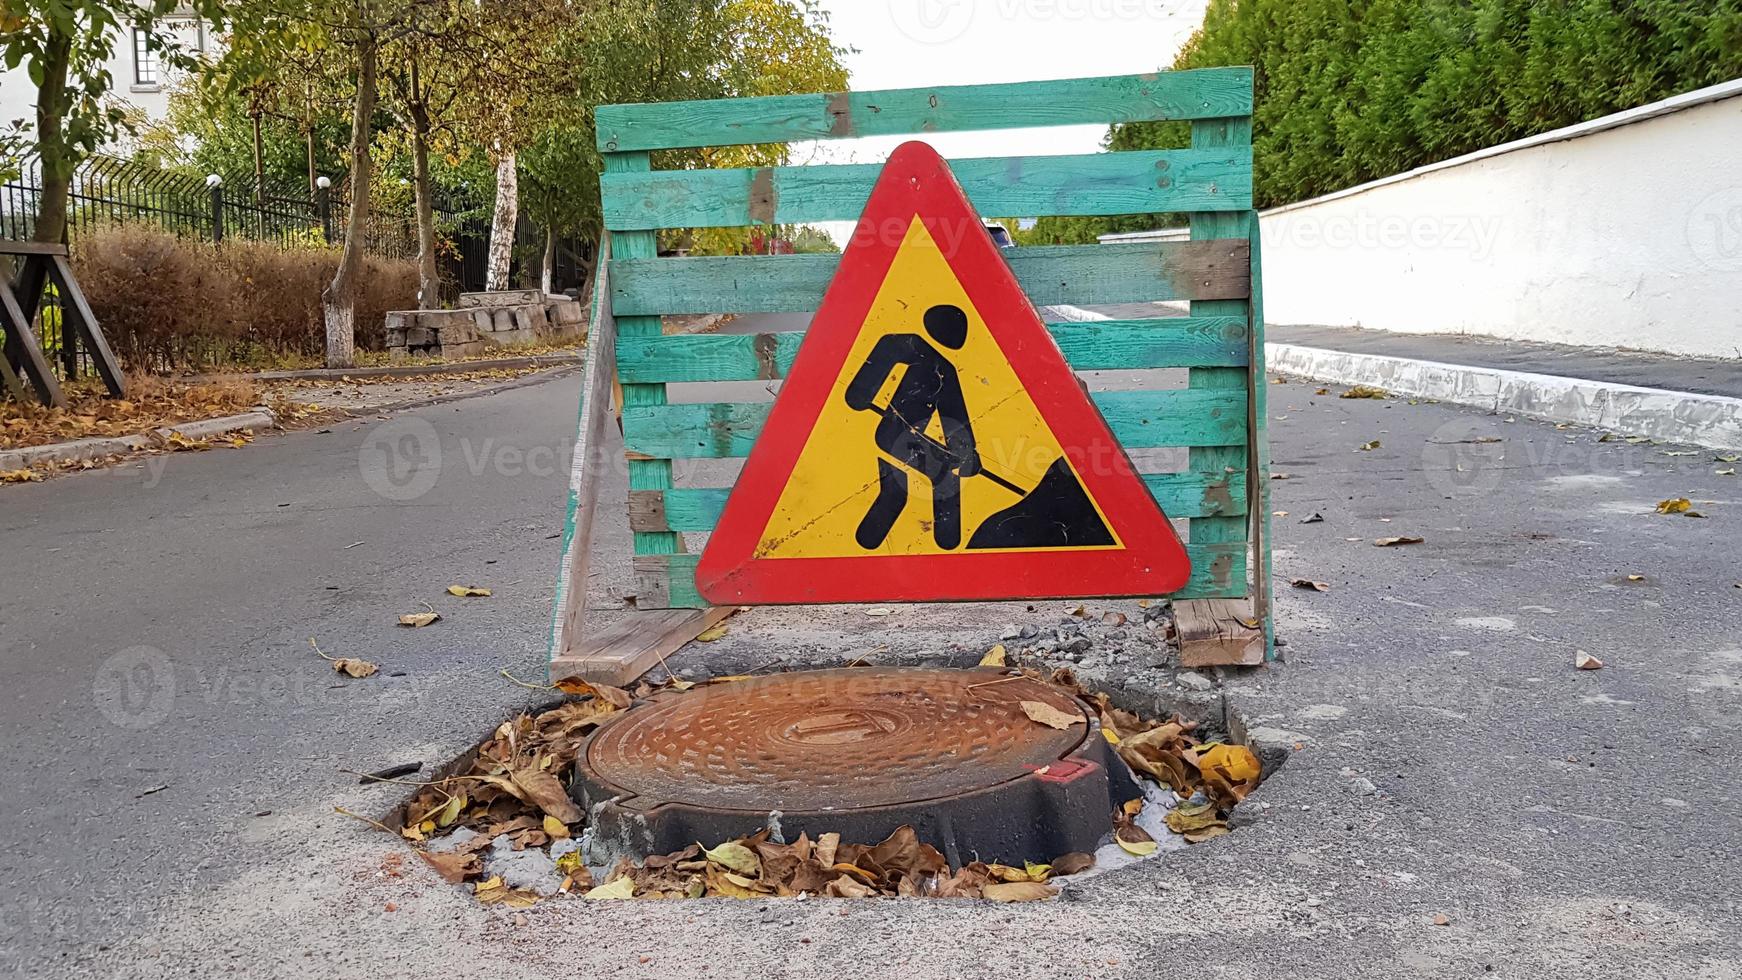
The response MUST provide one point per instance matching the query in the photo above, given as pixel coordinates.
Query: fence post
(216, 183)
(324, 207)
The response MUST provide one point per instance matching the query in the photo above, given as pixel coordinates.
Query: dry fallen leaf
(1017, 891)
(467, 591)
(415, 620)
(1368, 447)
(497, 892)
(614, 696)
(623, 887)
(712, 633)
(546, 792)
(1046, 714)
(1674, 505)
(1307, 583)
(994, 657)
(1635, 578)
(1314, 518)
(1395, 542)
(1075, 862)
(1139, 848)
(1442, 920)
(879, 611)
(556, 829)
(1365, 391)
(734, 856)
(20, 476)
(354, 668)
(454, 867)
(1585, 661)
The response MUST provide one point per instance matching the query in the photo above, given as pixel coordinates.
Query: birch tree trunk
(549, 277)
(339, 301)
(502, 224)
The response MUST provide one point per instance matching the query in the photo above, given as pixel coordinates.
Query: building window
(144, 59)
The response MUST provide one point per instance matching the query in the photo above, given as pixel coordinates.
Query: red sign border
(1153, 562)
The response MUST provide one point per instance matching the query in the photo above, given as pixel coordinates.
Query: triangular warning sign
(930, 442)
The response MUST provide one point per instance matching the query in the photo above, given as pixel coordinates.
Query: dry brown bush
(167, 302)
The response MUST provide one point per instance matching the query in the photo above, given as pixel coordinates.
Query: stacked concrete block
(567, 317)
(448, 334)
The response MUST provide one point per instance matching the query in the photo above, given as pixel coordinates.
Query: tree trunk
(429, 283)
(57, 163)
(339, 302)
(502, 224)
(549, 279)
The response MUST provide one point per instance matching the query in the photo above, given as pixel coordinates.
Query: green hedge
(1352, 90)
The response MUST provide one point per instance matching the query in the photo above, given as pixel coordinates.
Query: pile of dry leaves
(515, 786)
(151, 403)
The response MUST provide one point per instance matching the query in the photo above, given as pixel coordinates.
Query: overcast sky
(914, 43)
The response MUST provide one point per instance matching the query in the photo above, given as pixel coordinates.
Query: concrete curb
(78, 449)
(399, 370)
(1655, 413)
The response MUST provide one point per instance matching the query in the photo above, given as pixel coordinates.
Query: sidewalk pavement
(1632, 393)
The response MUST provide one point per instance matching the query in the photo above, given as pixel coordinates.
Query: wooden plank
(1218, 570)
(644, 474)
(1139, 420)
(633, 643)
(1231, 458)
(1162, 342)
(10, 383)
(1215, 632)
(698, 509)
(23, 350)
(1051, 275)
(1263, 582)
(588, 467)
(1134, 182)
(73, 301)
(1201, 94)
(12, 246)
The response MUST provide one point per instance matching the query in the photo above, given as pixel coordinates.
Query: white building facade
(138, 76)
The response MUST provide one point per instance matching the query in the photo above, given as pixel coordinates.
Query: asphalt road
(154, 628)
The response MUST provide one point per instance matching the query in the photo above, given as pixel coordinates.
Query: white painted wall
(1624, 231)
(149, 101)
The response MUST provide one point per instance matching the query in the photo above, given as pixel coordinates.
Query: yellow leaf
(414, 620)
(1017, 891)
(1674, 505)
(354, 668)
(1004, 872)
(451, 812)
(20, 476)
(1236, 762)
(712, 633)
(734, 856)
(1368, 447)
(994, 657)
(1199, 836)
(1046, 714)
(569, 863)
(1364, 391)
(623, 887)
(1141, 848)
(555, 828)
(467, 591)
(1037, 872)
(496, 892)
(1186, 818)
(1110, 735)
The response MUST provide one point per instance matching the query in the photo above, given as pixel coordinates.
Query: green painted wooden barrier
(1052, 275)
(1139, 182)
(1217, 420)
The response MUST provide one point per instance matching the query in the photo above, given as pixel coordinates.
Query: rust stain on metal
(764, 199)
(840, 110)
(832, 740)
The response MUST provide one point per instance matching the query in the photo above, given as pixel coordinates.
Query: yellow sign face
(927, 436)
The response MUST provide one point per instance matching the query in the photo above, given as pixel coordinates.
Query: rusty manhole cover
(859, 752)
